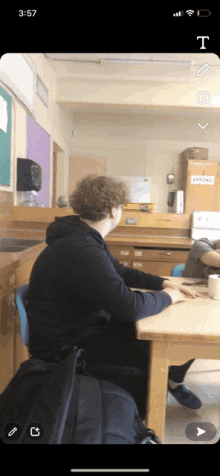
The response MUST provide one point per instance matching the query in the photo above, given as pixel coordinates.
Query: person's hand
(183, 289)
(175, 294)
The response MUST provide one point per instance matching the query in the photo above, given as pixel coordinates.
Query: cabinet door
(125, 263)
(199, 196)
(157, 268)
(7, 364)
(178, 256)
(122, 253)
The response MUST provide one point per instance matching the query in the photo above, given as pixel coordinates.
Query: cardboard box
(196, 153)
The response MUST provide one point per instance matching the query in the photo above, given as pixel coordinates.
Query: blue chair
(20, 301)
(178, 270)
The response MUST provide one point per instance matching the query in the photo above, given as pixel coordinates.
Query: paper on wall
(3, 114)
(202, 179)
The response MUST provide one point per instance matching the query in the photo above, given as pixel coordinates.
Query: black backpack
(70, 405)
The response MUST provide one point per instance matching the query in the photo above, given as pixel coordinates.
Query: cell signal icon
(178, 14)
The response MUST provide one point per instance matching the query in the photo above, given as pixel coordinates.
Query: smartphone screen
(74, 107)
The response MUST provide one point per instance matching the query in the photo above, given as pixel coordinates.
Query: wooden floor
(203, 379)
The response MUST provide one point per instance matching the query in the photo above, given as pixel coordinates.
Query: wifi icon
(190, 12)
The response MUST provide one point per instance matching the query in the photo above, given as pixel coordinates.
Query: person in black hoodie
(79, 294)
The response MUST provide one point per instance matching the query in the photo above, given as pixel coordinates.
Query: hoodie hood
(69, 225)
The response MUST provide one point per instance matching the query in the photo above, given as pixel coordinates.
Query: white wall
(146, 93)
(57, 123)
(52, 119)
(151, 146)
(143, 142)
(148, 139)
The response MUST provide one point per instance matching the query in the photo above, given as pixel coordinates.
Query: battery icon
(203, 13)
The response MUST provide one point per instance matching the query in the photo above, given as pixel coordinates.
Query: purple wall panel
(38, 149)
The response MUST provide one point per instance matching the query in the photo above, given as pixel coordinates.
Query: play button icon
(201, 431)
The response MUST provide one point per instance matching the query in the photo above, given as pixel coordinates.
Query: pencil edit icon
(204, 68)
(12, 431)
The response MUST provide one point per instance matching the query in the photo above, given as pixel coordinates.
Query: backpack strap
(53, 403)
(88, 422)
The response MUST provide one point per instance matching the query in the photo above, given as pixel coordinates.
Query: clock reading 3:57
(27, 13)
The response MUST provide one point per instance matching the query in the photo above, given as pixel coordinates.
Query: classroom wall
(38, 150)
(152, 150)
(137, 144)
(144, 142)
(6, 205)
(52, 119)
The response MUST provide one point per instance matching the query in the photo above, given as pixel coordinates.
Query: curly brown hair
(95, 196)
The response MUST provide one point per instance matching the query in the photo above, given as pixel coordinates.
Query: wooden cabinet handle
(166, 253)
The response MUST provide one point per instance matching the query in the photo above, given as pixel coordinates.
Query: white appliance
(205, 225)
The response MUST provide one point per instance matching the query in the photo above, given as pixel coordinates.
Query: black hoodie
(76, 285)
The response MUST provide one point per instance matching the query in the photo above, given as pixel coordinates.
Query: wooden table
(183, 331)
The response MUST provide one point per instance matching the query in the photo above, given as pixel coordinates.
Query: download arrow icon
(202, 127)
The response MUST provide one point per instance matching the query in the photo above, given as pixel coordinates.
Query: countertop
(151, 241)
(9, 261)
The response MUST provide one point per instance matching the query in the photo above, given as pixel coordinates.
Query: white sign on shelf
(3, 114)
(139, 187)
(202, 179)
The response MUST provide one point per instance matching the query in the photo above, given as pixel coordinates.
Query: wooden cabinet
(200, 194)
(22, 277)
(122, 253)
(158, 262)
(12, 350)
(7, 331)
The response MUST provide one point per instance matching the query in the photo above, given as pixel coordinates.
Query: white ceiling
(97, 57)
(180, 68)
(157, 67)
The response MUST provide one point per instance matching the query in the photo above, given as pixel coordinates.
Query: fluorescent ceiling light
(143, 61)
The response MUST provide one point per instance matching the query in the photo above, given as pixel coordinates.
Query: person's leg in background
(178, 372)
(116, 344)
(176, 387)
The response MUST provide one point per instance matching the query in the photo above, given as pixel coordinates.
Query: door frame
(54, 175)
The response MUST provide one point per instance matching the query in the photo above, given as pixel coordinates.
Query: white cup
(214, 286)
